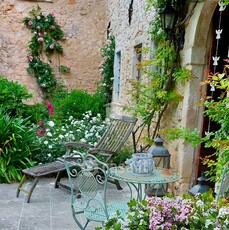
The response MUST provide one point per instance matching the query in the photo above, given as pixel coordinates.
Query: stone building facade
(129, 23)
(84, 25)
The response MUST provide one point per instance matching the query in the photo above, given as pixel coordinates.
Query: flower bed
(171, 213)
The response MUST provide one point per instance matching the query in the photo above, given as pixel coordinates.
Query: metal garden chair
(90, 203)
(224, 183)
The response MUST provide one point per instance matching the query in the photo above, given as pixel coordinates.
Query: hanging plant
(46, 34)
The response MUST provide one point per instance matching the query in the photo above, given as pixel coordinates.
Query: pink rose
(30, 58)
(40, 39)
(51, 47)
(30, 23)
(52, 27)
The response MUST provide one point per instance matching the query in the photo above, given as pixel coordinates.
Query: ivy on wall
(46, 34)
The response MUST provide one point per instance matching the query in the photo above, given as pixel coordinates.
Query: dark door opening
(222, 52)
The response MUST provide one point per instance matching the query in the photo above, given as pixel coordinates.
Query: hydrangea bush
(171, 213)
(51, 134)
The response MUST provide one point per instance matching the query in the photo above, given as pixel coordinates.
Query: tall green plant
(155, 90)
(15, 147)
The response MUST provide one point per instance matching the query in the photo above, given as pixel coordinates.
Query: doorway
(219, 48)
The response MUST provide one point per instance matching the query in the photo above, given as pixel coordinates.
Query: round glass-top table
(158, 176)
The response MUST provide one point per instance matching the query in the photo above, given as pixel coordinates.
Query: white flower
(50, 146)
(49, 155)
(51, 123)
(49, 134)
(61, 136)
(70, 118)
(46, 142)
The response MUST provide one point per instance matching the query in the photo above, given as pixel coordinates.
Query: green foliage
(226, 2)
(64, 69)
(107, 68)
(46, 34)
(78, 102)
(16, 145)
(185, 134)
(12, 95)
(34, 112)
(124, 154)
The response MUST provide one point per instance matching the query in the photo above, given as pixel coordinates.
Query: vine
(156, 88)
(46, 34)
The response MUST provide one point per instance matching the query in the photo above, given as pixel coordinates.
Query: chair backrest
(224, 183)
(88, 179)
(117, 134)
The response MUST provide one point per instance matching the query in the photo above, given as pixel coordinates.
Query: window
(117, 71)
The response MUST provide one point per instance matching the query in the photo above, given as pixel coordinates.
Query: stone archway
(194, 56)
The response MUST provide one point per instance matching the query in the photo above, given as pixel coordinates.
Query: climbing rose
(30, 58)
(40, 39)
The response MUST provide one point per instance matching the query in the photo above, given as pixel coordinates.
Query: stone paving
(49, 208)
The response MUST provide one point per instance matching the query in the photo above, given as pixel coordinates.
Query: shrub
(12, 95)
(16, 145)
(77, 102)
(51, 135)
(125, 152)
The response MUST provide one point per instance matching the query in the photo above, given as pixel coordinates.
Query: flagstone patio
(49, 208)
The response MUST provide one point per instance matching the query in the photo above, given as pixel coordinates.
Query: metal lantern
(160, 154)
(161, 158)
(168, 15)
(201, 187)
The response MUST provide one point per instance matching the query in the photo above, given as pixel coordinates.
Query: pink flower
(40, 39)
(51, 108)
(30, 58)
(52, 27)
(51, 47)
(53, 13)
(39, 133)
(51, 111)
(30, 23)
(41, 123)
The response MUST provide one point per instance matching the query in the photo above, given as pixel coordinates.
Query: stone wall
(130, 28)
(84, 24)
